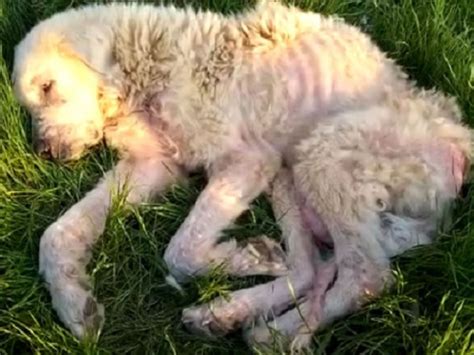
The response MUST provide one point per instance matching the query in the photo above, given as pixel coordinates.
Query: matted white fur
(241, 96)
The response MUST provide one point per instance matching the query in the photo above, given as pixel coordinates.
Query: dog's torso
(246, 74)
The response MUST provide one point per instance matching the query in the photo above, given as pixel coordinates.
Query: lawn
(430, 311)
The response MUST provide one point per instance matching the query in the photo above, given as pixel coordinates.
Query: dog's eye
(46, 87)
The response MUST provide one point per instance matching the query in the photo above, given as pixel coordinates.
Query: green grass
(430, 311)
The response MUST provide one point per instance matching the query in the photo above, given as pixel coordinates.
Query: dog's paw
(261, 256)
(215, 319)
(263, 335)
(201, 322)
(64, 251)
(301, 343)
(260, 333)
(78, 310)
(289, 330)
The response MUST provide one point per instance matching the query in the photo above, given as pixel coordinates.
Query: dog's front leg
(66, 245)
(240, 308)
(235, 180)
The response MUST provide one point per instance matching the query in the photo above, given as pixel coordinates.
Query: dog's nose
(45, 153)
(43, 149)
(63, 152)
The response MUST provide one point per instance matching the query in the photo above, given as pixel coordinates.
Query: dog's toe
(78, 310)
(262, 256)
(92, 317)
(215, 319)
(259, 334)
(200, 321)
(302, 342)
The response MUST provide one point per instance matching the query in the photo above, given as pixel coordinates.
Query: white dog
(241, 96)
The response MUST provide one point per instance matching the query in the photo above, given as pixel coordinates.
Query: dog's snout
(45, 153)
(49, 150)
(42, 148)
(63, 152)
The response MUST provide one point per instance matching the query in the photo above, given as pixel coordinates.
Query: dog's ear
(93, 47)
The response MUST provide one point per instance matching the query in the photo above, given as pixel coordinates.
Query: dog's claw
(79, 311)
(262, 256)
(214, 320)
(200, 322)
(93, 317)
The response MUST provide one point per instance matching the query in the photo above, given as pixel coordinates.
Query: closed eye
(49, 94)
(46, 87)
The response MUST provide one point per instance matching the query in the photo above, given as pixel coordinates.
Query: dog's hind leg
(362, 273)
(357, 275)
(66, 245)
(379, 179)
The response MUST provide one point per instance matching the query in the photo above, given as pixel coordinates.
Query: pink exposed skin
(323, 279)
(313, 222)
(451, 159)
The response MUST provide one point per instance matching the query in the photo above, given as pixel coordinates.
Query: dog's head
(58, 77)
